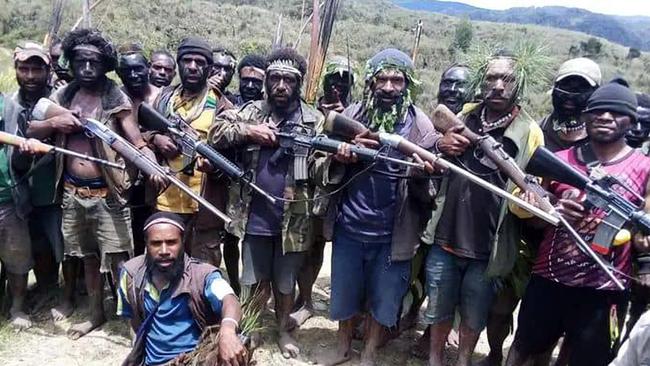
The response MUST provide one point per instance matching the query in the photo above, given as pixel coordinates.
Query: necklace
(498, 123)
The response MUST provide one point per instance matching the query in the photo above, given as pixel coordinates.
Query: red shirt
(559, 259)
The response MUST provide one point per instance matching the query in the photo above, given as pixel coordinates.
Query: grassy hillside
(367, 25)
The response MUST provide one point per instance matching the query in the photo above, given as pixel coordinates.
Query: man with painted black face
(638, 135)
(163, 68)
(133, 70)
(338, 80)
(568, 292)
(96, 223)
(452, 91)
(275, 236)
(171, 298)
(375, 221)
(251, 79)
(466, 251)
(576, 80)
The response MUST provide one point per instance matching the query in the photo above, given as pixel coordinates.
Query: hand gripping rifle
(43, 148)
(339, 125)
(142, 162)
(187, 139)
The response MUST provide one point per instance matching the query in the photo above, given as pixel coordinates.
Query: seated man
(171, 298)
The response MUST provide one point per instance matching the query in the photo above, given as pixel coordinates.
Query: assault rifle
(43, 148)
(600, 192)
(189, 143)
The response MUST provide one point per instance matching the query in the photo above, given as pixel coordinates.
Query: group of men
(391, 226)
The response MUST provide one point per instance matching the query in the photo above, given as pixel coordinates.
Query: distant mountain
(629, 31)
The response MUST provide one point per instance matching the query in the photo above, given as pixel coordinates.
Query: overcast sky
(618, 7)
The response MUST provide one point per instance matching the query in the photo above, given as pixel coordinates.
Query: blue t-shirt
(265, 218)
(367, 208)
(173, 330)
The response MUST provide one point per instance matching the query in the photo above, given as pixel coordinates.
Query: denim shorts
(453, 282)
(365, 278)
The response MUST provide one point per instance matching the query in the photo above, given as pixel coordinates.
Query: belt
(86, 192)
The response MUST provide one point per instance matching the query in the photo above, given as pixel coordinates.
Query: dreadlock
(94, 37)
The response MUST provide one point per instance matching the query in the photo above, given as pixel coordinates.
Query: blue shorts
(454, 281)
(364, 277)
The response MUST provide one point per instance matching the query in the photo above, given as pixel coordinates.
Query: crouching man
(171, 298)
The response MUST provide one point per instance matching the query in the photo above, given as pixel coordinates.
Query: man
(638, 135)
(275, 236)
(15, 246)
(452, 93)
(452, 90)
(373, 244)
(463, 231)
(163, 68)
(197, 104)
(96, 223)
(337, 86)
(171, 298)
(133, 70)
(61, 75)
(576, 80)
(251, 79)
(338, 81)
(568, 293)
(222, 72)
(32, 65)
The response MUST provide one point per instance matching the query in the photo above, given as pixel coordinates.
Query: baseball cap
(29, 49)
(583, 67)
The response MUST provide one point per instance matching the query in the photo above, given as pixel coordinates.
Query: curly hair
(288, 53)
(94, 37)
(252, 60)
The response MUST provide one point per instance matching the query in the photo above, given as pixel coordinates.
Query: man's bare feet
(421, 348)
(20, 320)
(81, 329)
(302, 315)
(62, 311)
(288, 345)
(368, 358)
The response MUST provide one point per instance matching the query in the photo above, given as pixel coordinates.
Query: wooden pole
(416, 44)
(86, 13)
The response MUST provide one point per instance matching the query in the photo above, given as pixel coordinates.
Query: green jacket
(228, 132)
(525, 133)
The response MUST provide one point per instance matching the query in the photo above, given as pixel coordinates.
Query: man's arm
(230, 130)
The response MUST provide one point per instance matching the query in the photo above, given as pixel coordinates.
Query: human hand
(453, 143)
(427, 166)
(166, 146)
(262, 134)
(345, 155)
(204, 165)
(66, 123)
(569, 206)
(30, 147)
(336, 107)
(231, 350)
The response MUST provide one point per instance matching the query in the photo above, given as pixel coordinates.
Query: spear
(416, 44)
(321, 33)
(279, 35)
(55, 23)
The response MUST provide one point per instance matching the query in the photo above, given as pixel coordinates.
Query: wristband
(231, 320)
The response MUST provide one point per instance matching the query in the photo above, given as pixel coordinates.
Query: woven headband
(164, 220)
(285, 66)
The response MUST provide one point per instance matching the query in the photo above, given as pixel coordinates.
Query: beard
(172, 273)
(283, 104)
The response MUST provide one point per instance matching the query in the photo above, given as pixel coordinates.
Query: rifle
(187, 139)
(43, 148)
(146, 165)
(345, 127)
(600, 193)
(444, 120)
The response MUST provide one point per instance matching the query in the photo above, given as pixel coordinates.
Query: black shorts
(550, 309)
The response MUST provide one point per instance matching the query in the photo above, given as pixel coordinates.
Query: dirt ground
(46, 343)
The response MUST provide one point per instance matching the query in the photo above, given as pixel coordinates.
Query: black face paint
(336, 88)
(133, 70)
(639, 132)
(251, 89)
(88, 67)
(570, 97)
(452, 91)
(223, 69)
